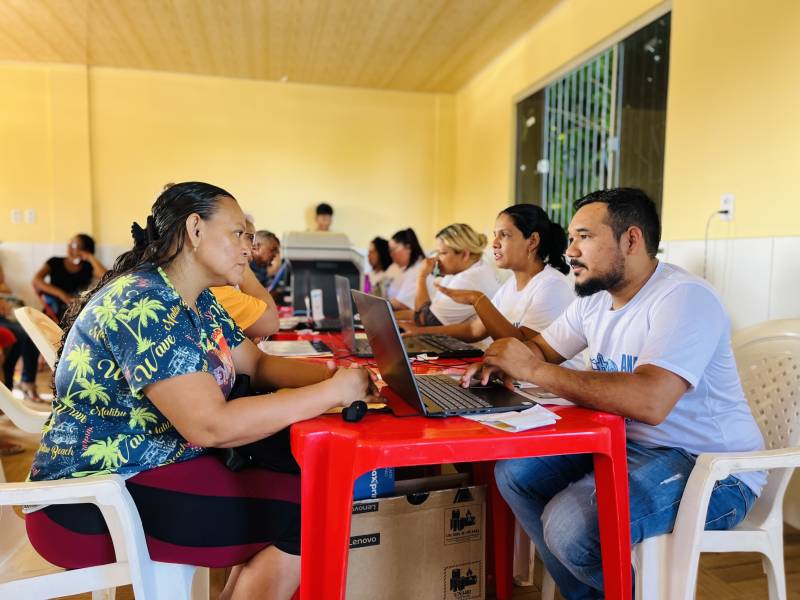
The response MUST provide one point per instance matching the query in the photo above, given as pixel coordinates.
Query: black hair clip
(144, 236)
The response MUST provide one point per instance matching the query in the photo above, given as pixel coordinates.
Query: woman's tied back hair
(529, 218)
(159, 242)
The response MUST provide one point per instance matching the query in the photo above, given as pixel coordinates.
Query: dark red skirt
(194, 512)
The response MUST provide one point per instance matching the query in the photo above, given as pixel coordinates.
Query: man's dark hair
(629, 207)
(324, 209)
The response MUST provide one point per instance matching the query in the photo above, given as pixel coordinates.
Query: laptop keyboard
(362, 346)
(446, 392)
(445, 343)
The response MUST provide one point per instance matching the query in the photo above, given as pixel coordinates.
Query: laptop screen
(345, 312)
(387, 347)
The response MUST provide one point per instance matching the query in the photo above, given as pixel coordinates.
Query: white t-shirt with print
(478, 277)
(676, 322)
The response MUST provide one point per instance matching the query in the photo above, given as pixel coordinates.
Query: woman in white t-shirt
(459, 256)
(408, 258)
(380, 260)
(528, 243)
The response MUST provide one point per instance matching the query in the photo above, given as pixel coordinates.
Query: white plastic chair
(768, 358)
(45, 333)
(27, 419)
(23, 574)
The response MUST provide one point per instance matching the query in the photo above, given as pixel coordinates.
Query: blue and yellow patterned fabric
(135, 331)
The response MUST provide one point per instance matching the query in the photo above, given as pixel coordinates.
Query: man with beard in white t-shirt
(660, 349)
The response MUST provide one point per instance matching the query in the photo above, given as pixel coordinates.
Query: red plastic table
(333, 453)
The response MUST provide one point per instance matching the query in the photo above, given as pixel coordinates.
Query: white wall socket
(30, 216)
(726, 202)
(16, 216)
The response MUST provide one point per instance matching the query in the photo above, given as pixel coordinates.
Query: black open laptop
(431, 395)
(443, 346)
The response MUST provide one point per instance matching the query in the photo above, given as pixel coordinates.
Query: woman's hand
(351, 384)
(427, 268)
(470, 297)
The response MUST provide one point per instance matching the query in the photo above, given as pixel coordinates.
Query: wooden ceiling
(414, 45)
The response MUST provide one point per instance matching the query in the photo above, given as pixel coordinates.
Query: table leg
(613, 511)
(326, 506)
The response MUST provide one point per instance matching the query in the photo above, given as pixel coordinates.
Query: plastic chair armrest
(101, 489)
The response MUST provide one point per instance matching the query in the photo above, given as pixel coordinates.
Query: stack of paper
(294, 348)
(530, 418)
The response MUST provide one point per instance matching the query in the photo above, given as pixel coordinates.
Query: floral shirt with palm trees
(135, 331)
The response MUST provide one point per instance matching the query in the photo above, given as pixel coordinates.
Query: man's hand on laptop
(408, 327)
(507, 359)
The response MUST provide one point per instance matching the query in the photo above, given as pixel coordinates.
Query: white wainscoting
(758, 278)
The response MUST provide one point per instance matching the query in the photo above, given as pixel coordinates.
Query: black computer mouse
(355, 412)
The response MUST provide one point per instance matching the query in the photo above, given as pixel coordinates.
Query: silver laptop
(443, 346)
(431, 395)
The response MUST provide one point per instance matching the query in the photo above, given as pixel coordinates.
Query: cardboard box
(422, 546)
(374, 484)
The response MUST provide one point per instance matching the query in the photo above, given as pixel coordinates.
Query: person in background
(266, 247)
(323, 217)
(20, 347)
(379, 260)
(62, 278)
(532, 246)
(408, 258)
(168, 356)
(7, 340)
(459, 255)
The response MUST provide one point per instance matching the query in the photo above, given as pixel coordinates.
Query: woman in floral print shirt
(148, 359)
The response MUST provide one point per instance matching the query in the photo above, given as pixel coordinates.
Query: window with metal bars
(600, 126)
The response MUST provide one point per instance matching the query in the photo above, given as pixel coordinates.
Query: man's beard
(607, 281)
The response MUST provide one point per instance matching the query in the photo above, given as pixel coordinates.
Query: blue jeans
(555, 501)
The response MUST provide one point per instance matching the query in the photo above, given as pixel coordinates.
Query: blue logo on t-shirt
(601, 363)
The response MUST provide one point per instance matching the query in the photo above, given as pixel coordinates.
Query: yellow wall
(382, 159)
(44, 151)
(733, 123)
(89, 150)
(733, 117)
(279, 148)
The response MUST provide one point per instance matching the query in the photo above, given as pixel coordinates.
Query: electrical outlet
(15, 216)
(726, 202)
(30, 216)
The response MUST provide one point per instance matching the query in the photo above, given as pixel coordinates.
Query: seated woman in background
(149, 359)
(532, 246)
(19, 346)
(460, 258)
(380, 260)
(408, 258)
(67, 276)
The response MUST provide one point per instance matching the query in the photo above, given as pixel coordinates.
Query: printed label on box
(462, 523)
(462, 582)
(363, 541)
(366, 507)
